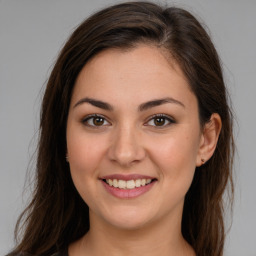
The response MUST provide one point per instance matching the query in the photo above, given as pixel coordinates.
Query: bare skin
(132, 113)
(135, 242)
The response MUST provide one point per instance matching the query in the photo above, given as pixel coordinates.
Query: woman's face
(133, 137)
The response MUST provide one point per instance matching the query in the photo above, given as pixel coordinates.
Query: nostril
(126, 149)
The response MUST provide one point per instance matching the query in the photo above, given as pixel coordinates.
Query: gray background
(31, 34)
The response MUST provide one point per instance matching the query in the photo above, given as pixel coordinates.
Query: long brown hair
(56, 215)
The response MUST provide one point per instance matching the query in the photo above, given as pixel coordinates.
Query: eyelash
(166, 118)
(163, 116)
(86, 120)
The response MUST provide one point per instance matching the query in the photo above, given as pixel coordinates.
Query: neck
(156, 239)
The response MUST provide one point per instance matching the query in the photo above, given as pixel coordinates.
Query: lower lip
(128, 193)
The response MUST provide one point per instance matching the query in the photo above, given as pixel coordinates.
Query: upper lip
(126, 177)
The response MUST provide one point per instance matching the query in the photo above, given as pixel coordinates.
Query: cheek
(85, 153)
(176, 163)
(84, 157)
(176, 158)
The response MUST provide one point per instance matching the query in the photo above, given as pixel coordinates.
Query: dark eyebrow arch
(96, 103)
(158, 102)
(142, 107)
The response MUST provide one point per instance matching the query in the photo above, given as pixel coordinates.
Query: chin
(127, 218)
(129, 224)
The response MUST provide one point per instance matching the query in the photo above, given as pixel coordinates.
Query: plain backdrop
(31, 35)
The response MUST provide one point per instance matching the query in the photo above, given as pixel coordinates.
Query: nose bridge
(126, 147)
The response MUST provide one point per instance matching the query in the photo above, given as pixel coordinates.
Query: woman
(136, 143)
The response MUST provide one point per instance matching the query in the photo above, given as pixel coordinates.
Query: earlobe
(209, 139)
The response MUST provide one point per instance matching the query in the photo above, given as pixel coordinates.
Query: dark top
(60, 254)
(63, 253)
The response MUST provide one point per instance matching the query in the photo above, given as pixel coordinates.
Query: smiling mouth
(128, 184)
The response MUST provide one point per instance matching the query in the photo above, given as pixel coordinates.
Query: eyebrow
(96, 103)
(142, 107)
(158, 102)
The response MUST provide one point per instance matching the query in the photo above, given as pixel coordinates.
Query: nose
(126, 147)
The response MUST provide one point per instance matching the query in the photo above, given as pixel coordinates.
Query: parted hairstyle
(57, 215)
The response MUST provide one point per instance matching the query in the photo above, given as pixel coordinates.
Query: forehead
(144, 71)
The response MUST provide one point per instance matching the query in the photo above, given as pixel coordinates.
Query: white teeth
(137, 183)
(121, 184)
(115, 183)
(129, 184)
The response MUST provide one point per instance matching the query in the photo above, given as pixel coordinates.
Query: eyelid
(170, 119)
(88, 117)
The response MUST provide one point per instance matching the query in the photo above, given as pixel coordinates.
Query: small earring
(203, 161)
(67, 158)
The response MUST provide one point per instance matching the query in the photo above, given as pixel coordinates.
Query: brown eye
(95, 121)
(159, 121)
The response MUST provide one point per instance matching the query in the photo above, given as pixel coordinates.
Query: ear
(209, 139)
